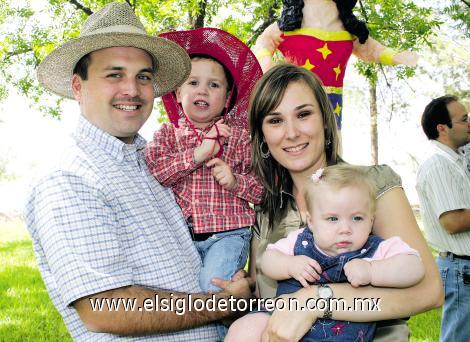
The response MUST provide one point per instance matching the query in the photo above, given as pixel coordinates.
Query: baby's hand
(304, 269)
(222, 173)
(358, 272)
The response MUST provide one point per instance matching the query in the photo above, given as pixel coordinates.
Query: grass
(27, 313)
(425, 326)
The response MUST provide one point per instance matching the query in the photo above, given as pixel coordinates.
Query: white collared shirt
(443, 184)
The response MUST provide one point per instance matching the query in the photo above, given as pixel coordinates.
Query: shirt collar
(446, 151)
(86, 131)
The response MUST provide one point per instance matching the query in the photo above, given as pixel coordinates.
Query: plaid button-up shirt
(100, 221)
(212, 208)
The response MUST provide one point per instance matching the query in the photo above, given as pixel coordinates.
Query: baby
(336, 247)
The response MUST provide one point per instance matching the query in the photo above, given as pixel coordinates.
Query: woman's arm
(394, 217)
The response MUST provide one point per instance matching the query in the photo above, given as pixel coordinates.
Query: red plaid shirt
(212, 208)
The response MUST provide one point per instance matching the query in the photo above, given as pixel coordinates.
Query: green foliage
(30, 30)
(450, 57)
(401, 25)
(459, 11)
(28, 33)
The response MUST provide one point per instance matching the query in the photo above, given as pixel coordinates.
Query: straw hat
(231, 53)
(114, 25)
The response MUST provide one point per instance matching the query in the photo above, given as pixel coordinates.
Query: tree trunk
(197, 20)
(373, 122)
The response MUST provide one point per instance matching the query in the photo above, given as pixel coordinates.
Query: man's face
(459, 134)
(118, 95)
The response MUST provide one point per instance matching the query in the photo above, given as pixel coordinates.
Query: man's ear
(77, 87)
(441, 129)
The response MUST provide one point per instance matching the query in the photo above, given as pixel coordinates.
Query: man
(443, 187)
(102, 227)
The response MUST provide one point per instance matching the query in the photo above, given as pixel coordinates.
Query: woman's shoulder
(384, 176)
(281, 227)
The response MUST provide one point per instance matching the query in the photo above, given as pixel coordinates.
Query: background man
(102, 227)
(443, 187)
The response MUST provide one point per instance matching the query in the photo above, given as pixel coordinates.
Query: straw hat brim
(173, 64)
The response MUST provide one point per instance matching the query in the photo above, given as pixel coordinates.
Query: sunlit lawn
(26, 312)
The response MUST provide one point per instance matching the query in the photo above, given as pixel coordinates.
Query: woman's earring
(327, 143)
(264, 155)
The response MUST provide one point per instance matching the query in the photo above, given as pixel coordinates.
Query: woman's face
(294, 130)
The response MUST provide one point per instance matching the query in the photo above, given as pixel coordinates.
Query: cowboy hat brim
(172, 62)
(229, 51)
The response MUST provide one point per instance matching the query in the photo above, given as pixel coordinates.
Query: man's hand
(238, 289)
(209, 146)
(285, 325)
(222, 173)
(240, 274)
(358, 272)
(304, 269)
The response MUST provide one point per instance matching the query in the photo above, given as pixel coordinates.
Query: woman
(293, 134)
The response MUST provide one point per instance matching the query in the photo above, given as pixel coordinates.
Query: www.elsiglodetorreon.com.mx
(181, 304)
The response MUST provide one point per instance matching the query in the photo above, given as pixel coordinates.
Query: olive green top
(385, 179)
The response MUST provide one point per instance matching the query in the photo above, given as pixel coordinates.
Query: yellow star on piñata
(337, 70)
(308, 65)
(337, 110)
(324, 51)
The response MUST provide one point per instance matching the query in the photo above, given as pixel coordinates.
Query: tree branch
(270, 18)
(364, 13)
(19, 52)
(81, 7)
(466, 2)
(198, 20)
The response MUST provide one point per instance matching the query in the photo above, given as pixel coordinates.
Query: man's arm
(456, 221)
(142, 322)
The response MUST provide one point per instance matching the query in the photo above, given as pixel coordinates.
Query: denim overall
(332, 267)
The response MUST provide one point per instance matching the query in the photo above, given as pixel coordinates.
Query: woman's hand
(292, 323)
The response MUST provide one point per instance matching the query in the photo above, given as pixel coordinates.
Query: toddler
(204, 153)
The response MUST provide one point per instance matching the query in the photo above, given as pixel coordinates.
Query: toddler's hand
(304, 269)
(222, 173)
(209, 146)
(358, 272)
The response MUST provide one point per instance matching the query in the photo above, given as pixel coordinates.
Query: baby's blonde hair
(340, 176)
